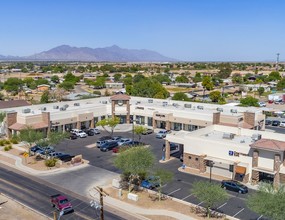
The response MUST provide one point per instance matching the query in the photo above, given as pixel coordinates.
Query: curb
(26, 206)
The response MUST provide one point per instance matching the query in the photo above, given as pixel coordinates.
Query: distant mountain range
(108, 54)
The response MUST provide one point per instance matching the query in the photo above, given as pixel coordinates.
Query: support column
(255, 158)
(277, 162)
(113, 109)
(78, 125)
(167, 126)
(154, 125)
(167, 150)
(92, 123)
(128, 112)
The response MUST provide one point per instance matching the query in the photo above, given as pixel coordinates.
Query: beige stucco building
(241, 154)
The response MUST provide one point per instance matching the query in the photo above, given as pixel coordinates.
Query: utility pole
(277, 61)
(102, 193)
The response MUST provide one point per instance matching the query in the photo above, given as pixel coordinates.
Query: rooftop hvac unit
(233, 110)
(43, 108)
(66, 106)
(228, 136)
(76, 104)
(104, 102)
(187, 105)
(200, 107)
(220, 109)
(26, 110)
(55, 107)
(150, 101)
(256, 137)
(62, 109)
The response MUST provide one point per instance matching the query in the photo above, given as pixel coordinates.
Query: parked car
(81, 134)
(92, 131)
(65, 157)
(61, 203)
(148, 131)
(109, 146)
(54, 154)
(74, 131)
(262, 104)
(103, 138)
(124, 140)
(173, 146)
(117, 138)
(162, 134)
(268, 122)
(101, 143)
(35, 148)
(282, 124)
(45, 150)
(150, 183)
(72, 136)
(275, 123)
(234, 186)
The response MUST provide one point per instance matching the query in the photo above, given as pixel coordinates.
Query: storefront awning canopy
(19, 126)
(240, 170)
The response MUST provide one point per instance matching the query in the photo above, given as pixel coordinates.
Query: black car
(35, 148)
(275, 123)
(65, 157)
(72, 136)
(103, 138)
(109, 146)
(234, 186)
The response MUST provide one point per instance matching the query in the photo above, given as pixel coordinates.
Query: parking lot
(179, 188)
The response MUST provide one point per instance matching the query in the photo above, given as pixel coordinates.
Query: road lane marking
(200, 203)
(163, 185)
(238, 212)
(187, 196)
(222, 205)
(174, 191)
(78, 204)
(260, 217)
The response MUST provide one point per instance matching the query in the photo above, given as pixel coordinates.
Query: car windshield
(239, 184)
(64, 201)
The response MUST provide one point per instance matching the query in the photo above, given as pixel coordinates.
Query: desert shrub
(6, 142)
(7, 148)
(2, 143)
(14, 139)
(50, 162)
(97, 92)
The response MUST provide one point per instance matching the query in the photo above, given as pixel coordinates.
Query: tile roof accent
(13, 103)
(120, 97)
(19, 127)
(269, 144)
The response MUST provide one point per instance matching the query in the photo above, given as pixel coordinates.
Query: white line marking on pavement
(260, 217)
(238, 212)
(222, 205)
(163, 185)
(200, 203)
(173, 191)
(187, 196)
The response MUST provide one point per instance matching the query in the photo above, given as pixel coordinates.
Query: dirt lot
(20, 212)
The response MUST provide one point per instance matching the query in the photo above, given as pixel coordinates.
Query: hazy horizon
(205, 31)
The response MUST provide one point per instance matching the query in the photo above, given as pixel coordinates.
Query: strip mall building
(207, 132)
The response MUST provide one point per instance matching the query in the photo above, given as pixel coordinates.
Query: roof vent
(62, 109)
(55, 107)
(220, 109)
(242, 141)
(43, 109)
(200, 107)
(26, 110)
(256, 137)
(187, 105)
(229, 136)
(76, 104)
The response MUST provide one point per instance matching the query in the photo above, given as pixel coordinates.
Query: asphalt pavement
(181, 185)
(35, 193)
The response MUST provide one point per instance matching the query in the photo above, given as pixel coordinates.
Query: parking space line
(174, 191)
(78, 204)
(260, 217)
(163, 185)
(187, 196)
(200, 203)
(238, 212)
(222, 205)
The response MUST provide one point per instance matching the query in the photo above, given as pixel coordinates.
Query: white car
(282, 124)
(81, 134)
(123, 140)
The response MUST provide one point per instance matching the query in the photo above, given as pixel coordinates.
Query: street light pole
(133, 131)
(211, 166)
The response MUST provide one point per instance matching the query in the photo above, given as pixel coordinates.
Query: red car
(61, 203)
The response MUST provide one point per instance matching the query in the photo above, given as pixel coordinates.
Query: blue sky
(191, 30)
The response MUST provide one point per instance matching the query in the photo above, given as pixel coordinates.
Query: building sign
(236, 154)
(159, 115)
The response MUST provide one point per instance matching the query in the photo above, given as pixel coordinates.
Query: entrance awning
(240, 170)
